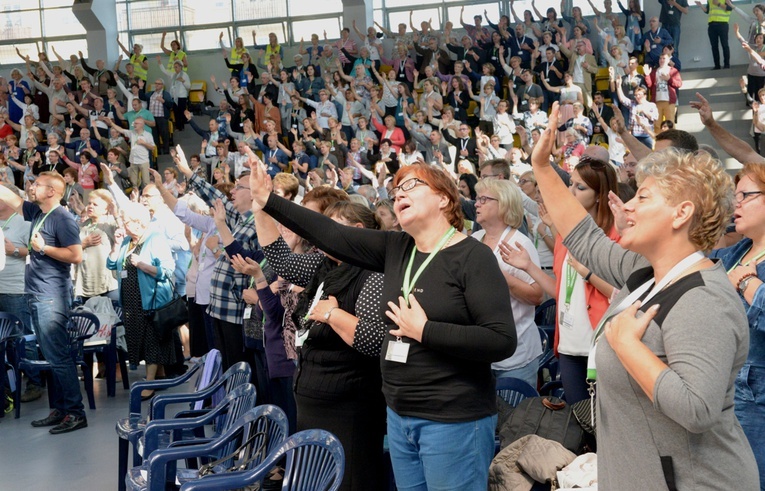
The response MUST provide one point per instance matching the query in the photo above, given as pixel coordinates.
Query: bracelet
(589, 274)
(329, 312)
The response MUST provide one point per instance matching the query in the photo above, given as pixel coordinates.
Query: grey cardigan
(701, 333)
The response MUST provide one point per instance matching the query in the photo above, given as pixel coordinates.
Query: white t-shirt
(529, 344)
(574, 339)
(616, 148)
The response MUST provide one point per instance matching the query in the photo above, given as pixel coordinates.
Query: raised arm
(122, 47)
(736, 148)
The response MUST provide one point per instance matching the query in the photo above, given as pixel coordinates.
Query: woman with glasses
(745, 264)
(499, 211)
(448, 315)
(666, 353)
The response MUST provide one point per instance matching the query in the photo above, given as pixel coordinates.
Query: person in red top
(663, 83)
(391, 132)
(87, 171)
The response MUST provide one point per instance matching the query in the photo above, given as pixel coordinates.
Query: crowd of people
(330, 231)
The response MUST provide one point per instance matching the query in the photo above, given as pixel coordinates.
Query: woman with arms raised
(449, 316)
(675, 335)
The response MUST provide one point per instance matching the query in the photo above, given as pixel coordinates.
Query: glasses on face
(406, 186)
(489, 176)
(239, 188)
(742, 196)
(38, 185)
(484, 199)
(521, 182)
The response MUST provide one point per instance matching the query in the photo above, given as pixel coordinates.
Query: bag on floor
(548, 417)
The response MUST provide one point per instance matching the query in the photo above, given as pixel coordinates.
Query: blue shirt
(45, 275)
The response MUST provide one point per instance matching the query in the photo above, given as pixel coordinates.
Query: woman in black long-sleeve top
(436, 358)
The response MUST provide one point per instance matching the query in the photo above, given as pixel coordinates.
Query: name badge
(300, 338)
(28, 259)
(397, 351)
(247, 312)
(671, 12)
(456, 109)
(123, 274)
(566, 320)
(653, 46)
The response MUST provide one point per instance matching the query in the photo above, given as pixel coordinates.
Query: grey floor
(31, 459)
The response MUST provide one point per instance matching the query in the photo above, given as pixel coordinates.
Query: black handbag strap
(154, 296)
(244, 447)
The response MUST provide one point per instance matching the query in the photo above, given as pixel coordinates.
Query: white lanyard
(673, 274)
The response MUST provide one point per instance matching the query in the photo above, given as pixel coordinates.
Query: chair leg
(111, 370)
(17, 394)
(124, 447)
(123, 369)
(87, 375)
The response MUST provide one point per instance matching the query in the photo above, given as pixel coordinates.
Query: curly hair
(698, 178)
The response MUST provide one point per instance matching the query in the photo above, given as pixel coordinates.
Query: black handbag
(167, 318)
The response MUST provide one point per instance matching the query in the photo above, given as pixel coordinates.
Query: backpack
(548, 417)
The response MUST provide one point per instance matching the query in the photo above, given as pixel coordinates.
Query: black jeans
(718, 33)
(162, 135)
(229, 339)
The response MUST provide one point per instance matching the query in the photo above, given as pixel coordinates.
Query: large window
(198, 24)
(34, 25)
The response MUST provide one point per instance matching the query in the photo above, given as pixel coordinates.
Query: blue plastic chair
(544, 315)
(234, 377)
(514, 390)
(256, 423)
(160, 433)
(10, 329)
(113, 357)
(81, 326)
(208, 369)
(315, 462)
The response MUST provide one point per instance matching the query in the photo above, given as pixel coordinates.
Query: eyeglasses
(742, 196)
(521, 182)
(484, 199)
(238, 188)
(489, 176)
(407, 186)
(37, 184)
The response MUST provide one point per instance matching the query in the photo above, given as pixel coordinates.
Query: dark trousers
(573, 374)
(229, 339)
(359, 424)
(200, 336)
(178, 109)
(718, 34)
(754, 84)
(162, 135)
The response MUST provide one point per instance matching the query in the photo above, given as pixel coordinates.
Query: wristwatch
(744, 283)
(329, 312)
(42, 250)
(16, 252)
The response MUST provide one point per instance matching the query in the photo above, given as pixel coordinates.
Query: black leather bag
(548, 417)
(168, 317)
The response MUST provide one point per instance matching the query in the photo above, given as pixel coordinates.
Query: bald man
(54, 247)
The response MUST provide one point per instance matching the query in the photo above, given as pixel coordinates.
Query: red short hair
(439, 182)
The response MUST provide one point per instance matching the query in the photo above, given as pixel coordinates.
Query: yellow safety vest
(138, 69)
(235, 56)
(718, 13)
(271, 51)
(180, 56)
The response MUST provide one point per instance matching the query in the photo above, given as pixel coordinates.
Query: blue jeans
(17, 305)
(645, 140)
(527, 373)
(674, 31)
(750, 410)
(49, 318)
(433, 456)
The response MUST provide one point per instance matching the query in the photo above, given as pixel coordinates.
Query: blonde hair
(509, 199)
(698, 178)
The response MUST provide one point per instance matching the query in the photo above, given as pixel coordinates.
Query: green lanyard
(408, 280)
(5, 225)
(571, 275)
(753, 260)
(36, 228)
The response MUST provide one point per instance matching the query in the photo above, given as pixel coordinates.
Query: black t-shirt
(470, 323)
(45, 275)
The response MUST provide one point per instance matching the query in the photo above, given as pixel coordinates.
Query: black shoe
(70, 423)
(726, 66)
(717, 68)
(55, 417)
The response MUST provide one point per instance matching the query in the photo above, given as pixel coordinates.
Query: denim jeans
(433, 456)
(49, 319)
(17, 305)
(527, 373)
(674, 31)
(750, 410)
